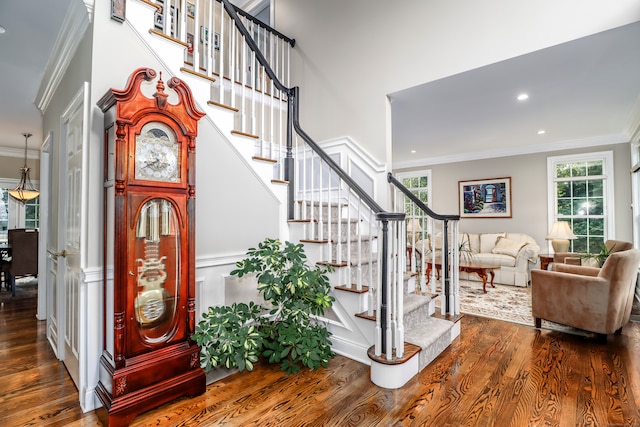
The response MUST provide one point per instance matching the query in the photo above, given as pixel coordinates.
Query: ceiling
(31, 30)
(582, 90)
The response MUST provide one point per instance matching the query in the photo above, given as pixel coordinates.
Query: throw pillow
(488, 241)
(509, 247)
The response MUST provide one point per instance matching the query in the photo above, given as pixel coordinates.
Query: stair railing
(248, 65)
(432, 224)
(355, 231)
(217, 50)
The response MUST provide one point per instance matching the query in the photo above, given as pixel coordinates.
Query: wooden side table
(545, 260)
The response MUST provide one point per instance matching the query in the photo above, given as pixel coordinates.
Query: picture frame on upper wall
(485, 198)
(118, 8)
(158, 21)
(191, 10)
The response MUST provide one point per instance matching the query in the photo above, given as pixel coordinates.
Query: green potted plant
(601, 256)
(289, 331)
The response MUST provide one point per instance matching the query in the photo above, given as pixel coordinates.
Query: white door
(65, 269)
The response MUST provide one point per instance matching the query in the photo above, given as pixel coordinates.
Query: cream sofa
(515, 253)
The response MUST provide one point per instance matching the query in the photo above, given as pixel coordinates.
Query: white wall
(350, 54)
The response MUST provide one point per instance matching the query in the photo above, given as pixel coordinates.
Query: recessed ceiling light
(413, 151)
(523, 97)
(2, 30)
(542, 132)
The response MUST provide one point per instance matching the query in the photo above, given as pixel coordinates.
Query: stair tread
(352, 288)
(264, 159)
(411, 303)
(410, 350)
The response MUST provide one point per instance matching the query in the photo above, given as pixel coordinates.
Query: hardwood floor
(494, 374)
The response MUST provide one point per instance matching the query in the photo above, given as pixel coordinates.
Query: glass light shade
(25, 189)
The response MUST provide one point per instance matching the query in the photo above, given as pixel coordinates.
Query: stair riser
(337, 230)
(415, 317)
(316, 212)
(354, 248)
(355, 274)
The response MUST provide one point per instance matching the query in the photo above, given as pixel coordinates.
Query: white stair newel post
(399, 287)
(378, 302)
(388, 293)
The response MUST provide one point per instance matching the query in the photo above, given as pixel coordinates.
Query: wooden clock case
(149, 357)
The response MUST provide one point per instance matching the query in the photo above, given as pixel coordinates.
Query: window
(4, 214)
(581, 193)
(419, 183)
(32, 213)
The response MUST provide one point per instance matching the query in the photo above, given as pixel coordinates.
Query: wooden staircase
(353, 256)
(426, 336)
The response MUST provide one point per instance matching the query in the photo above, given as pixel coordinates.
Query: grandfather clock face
(157, 154)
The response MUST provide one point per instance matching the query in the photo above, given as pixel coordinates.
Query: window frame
(608, 188)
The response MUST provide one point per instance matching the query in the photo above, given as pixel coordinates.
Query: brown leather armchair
(592, 299)
(576, 259)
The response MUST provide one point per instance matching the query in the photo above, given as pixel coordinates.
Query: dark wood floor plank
(494, 374)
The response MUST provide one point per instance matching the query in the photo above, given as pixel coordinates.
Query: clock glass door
(157, 270)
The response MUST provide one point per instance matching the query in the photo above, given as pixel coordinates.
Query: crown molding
(76, 22)
(633, 124)
(516, 151)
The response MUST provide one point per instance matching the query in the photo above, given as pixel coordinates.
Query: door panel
(65, 269)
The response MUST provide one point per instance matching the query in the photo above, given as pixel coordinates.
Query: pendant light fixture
(25, 189)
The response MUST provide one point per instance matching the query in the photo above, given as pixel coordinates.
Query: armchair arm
(575, 269)
(560, 257)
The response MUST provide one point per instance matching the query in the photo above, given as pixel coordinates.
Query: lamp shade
(560, 235)
(414, 225)
(561, 230)
(413, 228)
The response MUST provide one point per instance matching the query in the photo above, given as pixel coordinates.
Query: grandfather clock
(149, 247)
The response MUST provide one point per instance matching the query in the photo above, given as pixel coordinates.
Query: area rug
(25, 288)
(506, 303)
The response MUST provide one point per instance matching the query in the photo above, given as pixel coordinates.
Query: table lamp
(560, 235)
(413, 228)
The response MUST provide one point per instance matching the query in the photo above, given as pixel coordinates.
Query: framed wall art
(485, 198)
(118, 10)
